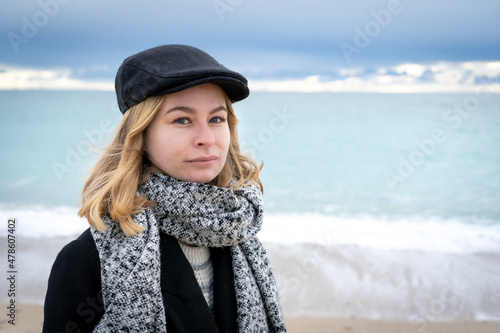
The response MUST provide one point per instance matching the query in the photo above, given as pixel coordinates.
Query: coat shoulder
(74, 287)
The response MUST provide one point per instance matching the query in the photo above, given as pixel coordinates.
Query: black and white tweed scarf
(198, 214)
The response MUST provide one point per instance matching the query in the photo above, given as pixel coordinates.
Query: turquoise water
(383, 201)
(330, 154)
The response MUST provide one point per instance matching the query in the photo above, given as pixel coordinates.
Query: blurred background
(378, 123)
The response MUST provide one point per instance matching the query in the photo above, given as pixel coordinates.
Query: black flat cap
(171, 68)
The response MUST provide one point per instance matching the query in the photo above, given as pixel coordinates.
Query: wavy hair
(111, 187)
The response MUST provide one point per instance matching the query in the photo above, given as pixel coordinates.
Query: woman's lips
(203, 161)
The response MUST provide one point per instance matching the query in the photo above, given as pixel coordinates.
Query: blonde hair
(111, 187)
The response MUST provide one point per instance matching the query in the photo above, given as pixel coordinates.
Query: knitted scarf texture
(198, 214)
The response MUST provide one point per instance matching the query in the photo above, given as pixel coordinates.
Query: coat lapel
(224, 294)
(185, 307)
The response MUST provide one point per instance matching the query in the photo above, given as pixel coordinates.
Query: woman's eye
(182, 121)
(217, 120)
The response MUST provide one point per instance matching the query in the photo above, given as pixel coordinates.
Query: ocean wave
(429, 234)
(36, 221)
(419, 287)
(413, 269)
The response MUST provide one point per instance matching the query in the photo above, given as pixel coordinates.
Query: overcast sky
(314, 45)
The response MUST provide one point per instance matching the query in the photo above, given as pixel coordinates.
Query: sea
(376, 205)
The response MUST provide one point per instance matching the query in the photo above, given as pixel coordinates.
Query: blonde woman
(174, 209)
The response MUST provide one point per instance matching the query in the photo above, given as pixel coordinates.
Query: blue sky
(376, 45)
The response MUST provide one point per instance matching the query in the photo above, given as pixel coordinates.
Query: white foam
(352, 281)
(409, 233)
(43, 222)
(362, 266)
(420, 234)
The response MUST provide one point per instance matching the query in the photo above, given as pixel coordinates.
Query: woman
(174, 208)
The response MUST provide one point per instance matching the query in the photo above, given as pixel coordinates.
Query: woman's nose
(204, 136)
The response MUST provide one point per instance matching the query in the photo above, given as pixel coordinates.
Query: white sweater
(199, 258)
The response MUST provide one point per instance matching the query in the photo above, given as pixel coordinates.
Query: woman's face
(189, 137)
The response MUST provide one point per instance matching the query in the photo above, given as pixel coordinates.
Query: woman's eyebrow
(191, 110)
(217, 109)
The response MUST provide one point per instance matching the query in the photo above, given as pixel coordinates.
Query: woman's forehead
(203, 97)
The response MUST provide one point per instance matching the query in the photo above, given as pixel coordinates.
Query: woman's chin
(199, 177)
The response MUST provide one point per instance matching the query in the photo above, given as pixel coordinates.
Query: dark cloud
(262, 38)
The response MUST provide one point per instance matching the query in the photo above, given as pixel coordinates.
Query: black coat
(73, 302)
